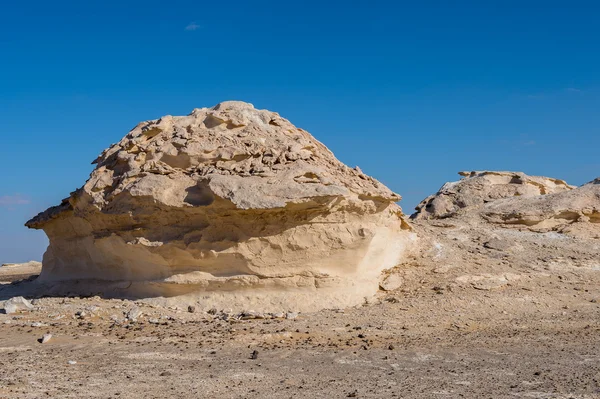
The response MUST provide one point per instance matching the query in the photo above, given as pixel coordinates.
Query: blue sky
(412, 92)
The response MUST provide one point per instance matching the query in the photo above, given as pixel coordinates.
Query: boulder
(16, 304)
(479, 188)
(226, 202)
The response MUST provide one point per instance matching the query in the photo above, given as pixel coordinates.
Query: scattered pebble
(134, 313)
(291, 315)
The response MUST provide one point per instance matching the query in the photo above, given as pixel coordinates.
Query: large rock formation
(232, 202)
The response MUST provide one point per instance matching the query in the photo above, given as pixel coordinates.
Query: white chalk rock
(231, 203)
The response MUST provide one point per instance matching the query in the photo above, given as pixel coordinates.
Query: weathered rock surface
(489, 241)
(575, 212)
(223, 201)
(16, 304)
(478, 188)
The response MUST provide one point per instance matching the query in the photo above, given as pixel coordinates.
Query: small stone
(82, 314)
(291, 315)
(134, 313)
(499, 244)
(10, 308)
(92, 309)
(191, 309)
(153, 321)
(45, 338)
(38, 324)
(72, 362)
(254, 355)
(165, 374)
(251, 314)
(391, 282)
(391, 347)
(278, 315)
(15, 304)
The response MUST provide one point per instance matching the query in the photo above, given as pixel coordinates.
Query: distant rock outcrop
(514, 199)
(575, 212)
(227, 200)
(478, 188)
(496, 230)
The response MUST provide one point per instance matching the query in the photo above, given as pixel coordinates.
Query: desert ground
(489, 323)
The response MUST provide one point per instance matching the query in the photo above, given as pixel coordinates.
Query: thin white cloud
(573, 90)
(555, 93)
(14, 199)
(192, 26)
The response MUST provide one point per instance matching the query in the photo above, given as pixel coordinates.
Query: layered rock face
(478, 188)
(575, 212)
(513, 199)
(227, 199)
(497, 230)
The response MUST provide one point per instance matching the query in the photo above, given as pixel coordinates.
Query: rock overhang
(225, 193)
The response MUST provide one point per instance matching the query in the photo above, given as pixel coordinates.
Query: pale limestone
(479, 188)
(231, 203)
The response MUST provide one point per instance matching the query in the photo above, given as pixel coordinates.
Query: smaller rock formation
(495, 230)
(478, 188)
(575, 212)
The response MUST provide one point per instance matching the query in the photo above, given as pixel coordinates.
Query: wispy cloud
(518, 144)
(555, 93)
(192, 26)
(573, 90)
(14, 199)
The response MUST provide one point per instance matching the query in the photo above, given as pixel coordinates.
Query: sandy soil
(438, 336)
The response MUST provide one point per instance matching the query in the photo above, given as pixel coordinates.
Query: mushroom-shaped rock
(227, 202)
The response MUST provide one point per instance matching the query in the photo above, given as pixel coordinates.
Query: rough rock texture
(224, 201)
(16, 304)
(575, 212)
(499, 239)
(478, 188)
